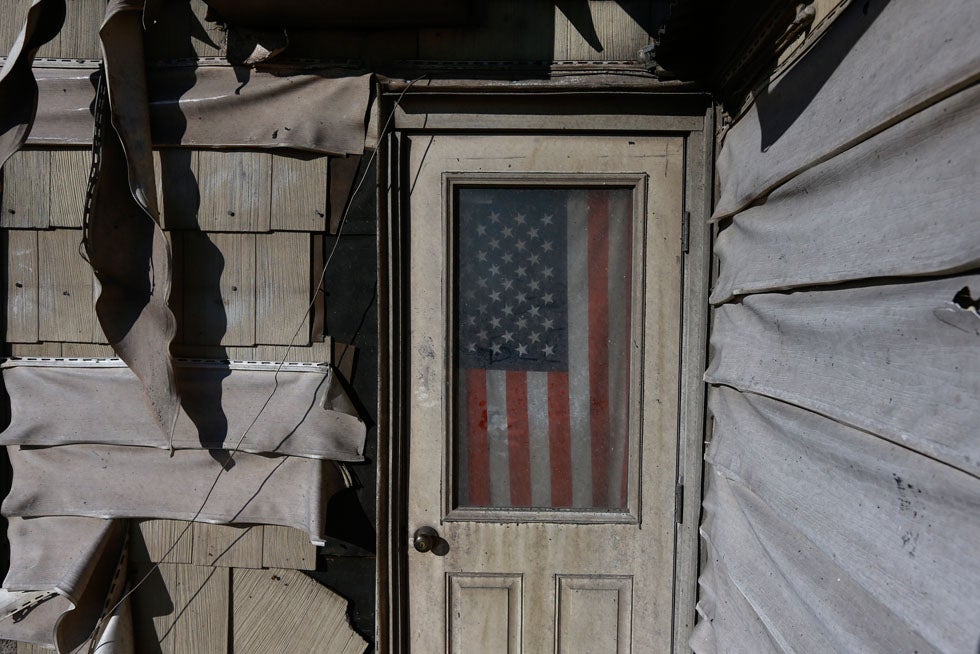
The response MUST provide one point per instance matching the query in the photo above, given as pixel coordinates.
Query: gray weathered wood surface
(299, 193)
(66, 310)
(182, 609)
(26, 178)
(22, 287)
(282, 288)
(279, 610)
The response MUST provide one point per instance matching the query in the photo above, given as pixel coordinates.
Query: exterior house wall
(841, 487)
(258, 264)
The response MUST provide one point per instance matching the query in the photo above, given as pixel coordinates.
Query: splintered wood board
(278, 610)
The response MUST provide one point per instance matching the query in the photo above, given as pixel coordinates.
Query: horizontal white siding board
(901, 203)
(728, 623)
(304, 410)
(898, 360)
(115, 481)
(900, 526)
(56, 552)
(803, 596)
(881, 62)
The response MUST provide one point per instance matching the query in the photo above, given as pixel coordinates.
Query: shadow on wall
(780, 106)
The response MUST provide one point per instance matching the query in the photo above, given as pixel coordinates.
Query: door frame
(484, 109)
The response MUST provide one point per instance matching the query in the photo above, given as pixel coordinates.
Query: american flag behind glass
(543, 332)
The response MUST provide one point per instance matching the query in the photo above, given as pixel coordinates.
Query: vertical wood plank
(65, 308)
(343, 173)
(26, 179)
(150, 540)
(69, 182)
(281, 610)
(226, 545)
(30, 648)
(214, 46)
(176, 301)
(49, 349)
(22, 287)
(87, 350)
(80, 34)
(285, 547)
(619, 34)
(181, 609)
(282, 296)
(177, 188)
(10, 26)
(219, 288)
(236, 189)
(299, 193)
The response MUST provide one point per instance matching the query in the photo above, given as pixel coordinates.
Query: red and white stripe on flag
(560, 439)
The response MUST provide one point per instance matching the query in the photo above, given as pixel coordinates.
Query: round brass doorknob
(425, 539)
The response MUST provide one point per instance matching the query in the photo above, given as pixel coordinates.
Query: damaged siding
(843, 477)
(248, 228)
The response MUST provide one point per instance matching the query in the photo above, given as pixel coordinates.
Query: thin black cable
(275, 387)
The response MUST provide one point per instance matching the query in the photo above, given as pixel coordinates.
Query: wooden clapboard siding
(79, 38)
(219, 288)
(299, 193)
(314, 353)
(87, 350)
(21, 322)
(282, 293)
(15, 11)
(620, 31)
(227, 546)
(236, 189)
(181, 609)
(177, 188)
(176, 541)
(49, 349)
(69, 183)
(155, 541)
(26, 181)
(286, 547)
(279, 610)
(66, 311)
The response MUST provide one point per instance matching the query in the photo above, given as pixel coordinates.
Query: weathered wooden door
(544, 351)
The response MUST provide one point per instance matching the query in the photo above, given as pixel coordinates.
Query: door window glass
(543, 300)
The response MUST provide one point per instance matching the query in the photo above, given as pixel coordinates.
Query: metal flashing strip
(114, 362)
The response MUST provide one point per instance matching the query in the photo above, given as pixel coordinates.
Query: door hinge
(679, 504)
(686, 232)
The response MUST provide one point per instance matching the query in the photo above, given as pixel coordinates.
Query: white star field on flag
(512, 282)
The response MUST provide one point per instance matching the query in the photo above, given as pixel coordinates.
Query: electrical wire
(285, 357)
